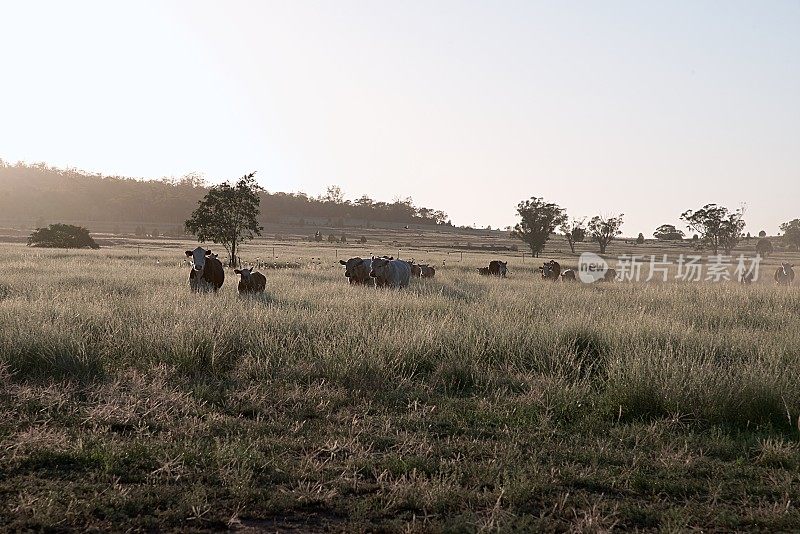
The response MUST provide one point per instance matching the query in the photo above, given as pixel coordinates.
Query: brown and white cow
(784, 276)
(207, 273)
(427, 271)
(568, 275)
(250, 282)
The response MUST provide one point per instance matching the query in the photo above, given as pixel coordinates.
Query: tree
(334, 195)
(155, 232)
(362, 240)
(791, 233)
(332, 238)
(62, 236)
(228, 215)
(667, 232)
(604, 229)
(762, 233)
(139, 231)
(572, 230)
(538, 219)
(718, 227)
(764, 247)
(640, 239)
(343, 239)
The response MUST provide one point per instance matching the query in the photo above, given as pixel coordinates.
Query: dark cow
(427, 271)
(483, 271)
(251, 282)
(568, 276)
(550, 270)
(609, 276)
(390, 273)
(498, 268)
(207, 272)
(784, 276)
(416, 270)
(357, 271)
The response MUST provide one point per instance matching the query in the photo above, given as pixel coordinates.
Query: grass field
(463, 403)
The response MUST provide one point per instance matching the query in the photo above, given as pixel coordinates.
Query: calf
(427, 271)
(784, 276)
(207, 272)
(550, 270)
(250, 282)
(568, 275)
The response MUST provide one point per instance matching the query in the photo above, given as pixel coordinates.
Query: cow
(250, 282)
(390, 273)
(207, 272)
(568, 276)
(357, 271)
(427, 271)
(416, 270)
(550, 270)
(484, 271)
(609, 276)
(498, 268)
(784, 276)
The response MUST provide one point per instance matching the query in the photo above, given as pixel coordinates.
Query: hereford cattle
(568, 276)
(390, 273)
(784, 276)
(207, 272)
(550, 270)
(427, 271)
(251, 282)
(357, 271)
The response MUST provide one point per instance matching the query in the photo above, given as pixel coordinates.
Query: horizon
(645, 110)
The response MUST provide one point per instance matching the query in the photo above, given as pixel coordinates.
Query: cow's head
(380, 268)
(787, 267)
(199, 257)
(351, 267)
(244, 273)
(503, 267)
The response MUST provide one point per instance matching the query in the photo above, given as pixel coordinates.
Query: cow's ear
(189, 253)
(343, 262)
(208, 252)
(237, 271)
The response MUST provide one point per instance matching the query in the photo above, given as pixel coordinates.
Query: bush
(62, 236)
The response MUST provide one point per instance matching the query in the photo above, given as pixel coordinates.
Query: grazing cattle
(550, 270)
(357, 270)
(498, 268)
(416, 270)
(390, 273)
(746, 279)
(609, 276)
(784, 276)
(427, 271)
(483, 271)
(568, 275)
(251, 282)
(207, 272)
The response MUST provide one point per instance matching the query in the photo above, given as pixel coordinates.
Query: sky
(646, 108)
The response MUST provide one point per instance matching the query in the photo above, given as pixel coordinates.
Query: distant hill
(37, 194)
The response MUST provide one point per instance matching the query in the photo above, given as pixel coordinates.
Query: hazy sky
(642, 107)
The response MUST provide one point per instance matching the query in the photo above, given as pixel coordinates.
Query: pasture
(463, 403)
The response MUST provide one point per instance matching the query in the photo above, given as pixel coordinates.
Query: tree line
(38, 191)
(716, 228)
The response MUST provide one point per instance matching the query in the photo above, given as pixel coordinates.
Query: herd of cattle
(208, 273)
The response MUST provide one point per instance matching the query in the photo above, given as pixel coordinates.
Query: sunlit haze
(642, 108)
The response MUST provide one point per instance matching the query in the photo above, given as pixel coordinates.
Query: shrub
(62, 236)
